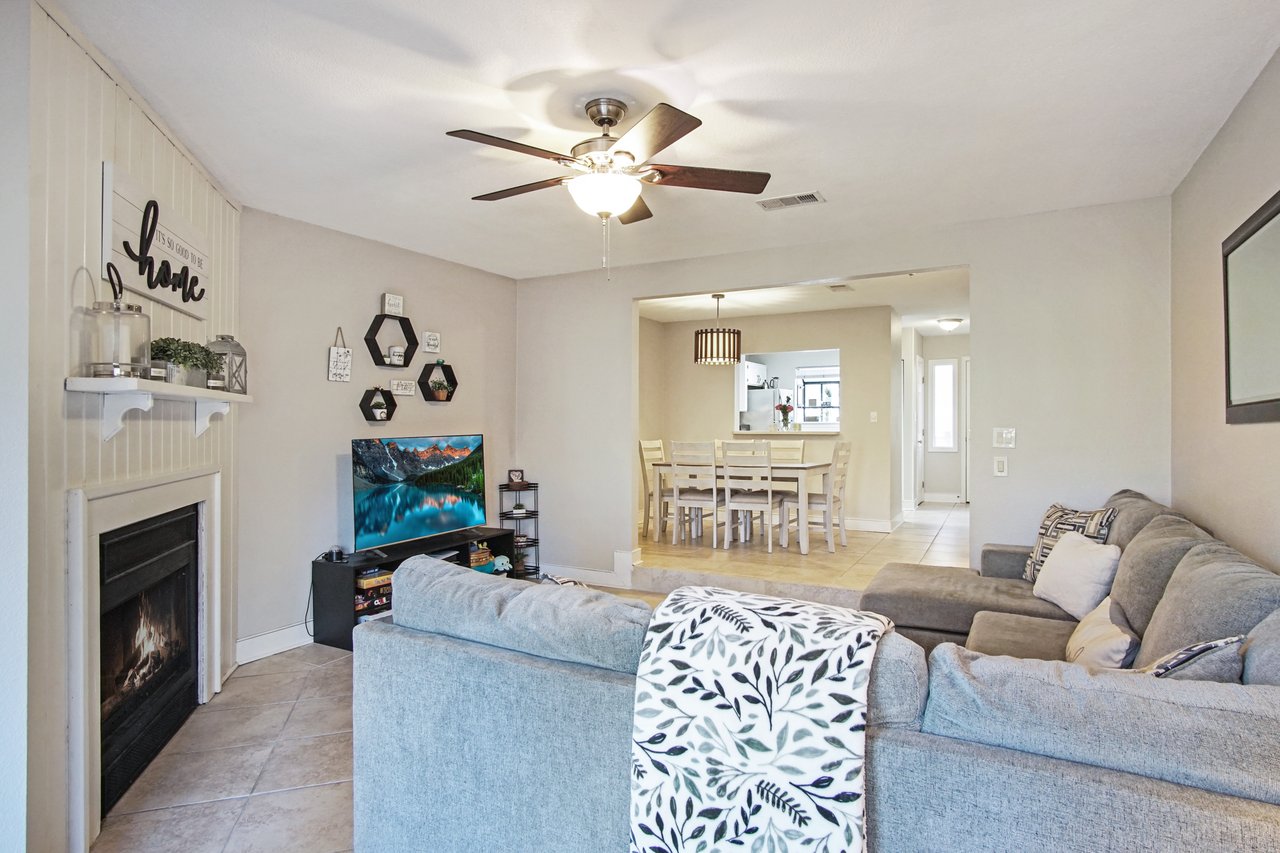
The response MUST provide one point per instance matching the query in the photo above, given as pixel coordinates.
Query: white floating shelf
(121, 394)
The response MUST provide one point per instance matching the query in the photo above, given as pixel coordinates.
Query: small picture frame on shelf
(431, 341)
(392, 303)
(515, 477)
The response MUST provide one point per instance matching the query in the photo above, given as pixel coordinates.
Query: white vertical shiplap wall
(83, 113)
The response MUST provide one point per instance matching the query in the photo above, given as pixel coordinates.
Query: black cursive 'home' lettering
(162, 276)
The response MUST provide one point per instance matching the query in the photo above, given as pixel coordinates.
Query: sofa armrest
(1003, 561)
(1209, 735)
(899, 684)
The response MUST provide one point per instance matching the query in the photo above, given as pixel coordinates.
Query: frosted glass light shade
(604, 193)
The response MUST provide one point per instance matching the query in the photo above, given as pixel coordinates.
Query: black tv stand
(334, 583)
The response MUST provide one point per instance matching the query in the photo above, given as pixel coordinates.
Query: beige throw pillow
(1078, 574)
(1103, 639)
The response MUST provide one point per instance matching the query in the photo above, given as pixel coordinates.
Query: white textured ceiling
(903, 113)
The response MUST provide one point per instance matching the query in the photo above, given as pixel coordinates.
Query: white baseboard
(869, 525)
(941, 497)
(592, 577)
(271, 643)
(908, 505)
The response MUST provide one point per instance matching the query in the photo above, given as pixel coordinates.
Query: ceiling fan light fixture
(718, 345)
(604, 194)
(950, 324)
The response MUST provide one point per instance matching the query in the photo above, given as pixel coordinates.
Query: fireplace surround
(93, 513)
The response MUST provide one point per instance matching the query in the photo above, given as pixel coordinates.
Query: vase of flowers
(784, 411)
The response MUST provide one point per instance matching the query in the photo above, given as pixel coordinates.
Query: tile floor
(935, 533)
(263, 768)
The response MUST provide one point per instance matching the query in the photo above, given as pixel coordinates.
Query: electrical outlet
(1001, 466)
(875, 416)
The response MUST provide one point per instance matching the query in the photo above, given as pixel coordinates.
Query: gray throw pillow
(1215, 592)
(1147, 563)
(1262, 652)
(1218, 660)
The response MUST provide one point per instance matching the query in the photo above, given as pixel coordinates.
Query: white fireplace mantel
(122, 394)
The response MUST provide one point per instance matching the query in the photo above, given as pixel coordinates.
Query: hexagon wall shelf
(366, 405)
(375, 348)
(428, 372)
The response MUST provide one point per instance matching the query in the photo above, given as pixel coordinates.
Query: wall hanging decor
(163, 257)
(402, 387)
(392, 303)
(438, 382)
(339, 359)
(431, 342)
(381, 355)
(377, 405)
(234, 375)
(120, 336)
(1251, 305)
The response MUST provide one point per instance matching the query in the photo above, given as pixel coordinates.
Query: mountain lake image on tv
(409, 488)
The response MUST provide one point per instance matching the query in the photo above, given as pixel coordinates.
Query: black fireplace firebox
(148, 641)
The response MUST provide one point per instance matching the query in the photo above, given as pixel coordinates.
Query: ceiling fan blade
(636, 213)
(727, 180)
(520, 190)
(659, 127)
(509, 144)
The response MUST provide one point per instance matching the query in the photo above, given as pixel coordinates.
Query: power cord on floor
(305, 622)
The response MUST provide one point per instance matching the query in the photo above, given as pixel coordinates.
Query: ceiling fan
(612, 169)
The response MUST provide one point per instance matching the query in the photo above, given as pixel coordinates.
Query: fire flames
(155, 643)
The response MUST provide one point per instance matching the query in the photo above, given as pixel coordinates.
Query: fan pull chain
(604, 239)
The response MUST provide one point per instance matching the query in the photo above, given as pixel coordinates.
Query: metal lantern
(235, 365)
(120, 340)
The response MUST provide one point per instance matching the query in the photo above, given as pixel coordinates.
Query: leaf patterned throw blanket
(749, 724)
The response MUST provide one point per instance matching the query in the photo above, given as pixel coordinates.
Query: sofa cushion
(898, 683)
(1218, 660)
(1078, 574)
(1220, 737)
(1103, 639)
(569, 623)
(1262, 652)
(1092, 523)
(1019, 636)
(1214, 592)
(945, 598)
(1148, 562)
(1133, 511)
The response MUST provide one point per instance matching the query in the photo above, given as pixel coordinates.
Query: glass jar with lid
(119, 340)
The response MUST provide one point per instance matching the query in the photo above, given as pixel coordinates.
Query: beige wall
(82, 115)
(699, 400)
(1225, 477)
(1071, 329)
(15, 361)
(943, 470)
(300, 283)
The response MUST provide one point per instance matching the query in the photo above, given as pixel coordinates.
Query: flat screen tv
(411, 488)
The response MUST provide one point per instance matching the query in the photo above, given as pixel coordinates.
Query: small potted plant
(439, 389)
(518, 509)
(517, 562)
(379, 407)
(186, 363)
(784, 410)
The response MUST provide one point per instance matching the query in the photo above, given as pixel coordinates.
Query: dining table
(781, 472)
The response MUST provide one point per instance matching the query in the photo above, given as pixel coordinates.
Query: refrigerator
(760, 414)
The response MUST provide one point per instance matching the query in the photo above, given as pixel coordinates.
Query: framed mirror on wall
(1251, 299)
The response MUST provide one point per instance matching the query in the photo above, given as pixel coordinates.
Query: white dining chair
(787, 450)
(830, 503)
(651, 453)
(694, 486)
(748, 486)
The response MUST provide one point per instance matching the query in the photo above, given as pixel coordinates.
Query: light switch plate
(1001, 466)
(1003, 436)
(875, 417)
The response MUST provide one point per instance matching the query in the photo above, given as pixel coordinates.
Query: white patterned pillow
(1094, 524)
(1215, 660)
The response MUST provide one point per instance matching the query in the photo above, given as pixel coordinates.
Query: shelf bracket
(116, 406)
(206, 409)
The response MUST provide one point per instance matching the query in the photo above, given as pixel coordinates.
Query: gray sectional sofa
(495, 715)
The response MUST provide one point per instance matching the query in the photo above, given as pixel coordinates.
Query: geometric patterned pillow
(1091, 523)
(1216, 660)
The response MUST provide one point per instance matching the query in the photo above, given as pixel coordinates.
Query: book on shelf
(367, 603)
(377, 579)
(369, 617)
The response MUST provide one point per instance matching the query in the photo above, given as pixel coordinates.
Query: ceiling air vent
(784, 201)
